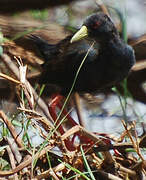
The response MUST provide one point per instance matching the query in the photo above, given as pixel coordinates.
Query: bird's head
(97, 26)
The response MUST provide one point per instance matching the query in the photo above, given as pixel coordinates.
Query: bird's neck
(110, 41)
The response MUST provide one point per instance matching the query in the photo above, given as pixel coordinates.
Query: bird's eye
(96, 24)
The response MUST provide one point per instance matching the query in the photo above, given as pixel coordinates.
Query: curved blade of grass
(87, 165)
(130, 150)
(69, 94)
(39, 95)
(75, 170)
(75, 79)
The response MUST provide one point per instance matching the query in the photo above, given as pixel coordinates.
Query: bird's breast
(112, 65)
(120, 61)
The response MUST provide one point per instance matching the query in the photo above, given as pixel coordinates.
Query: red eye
(96, 24)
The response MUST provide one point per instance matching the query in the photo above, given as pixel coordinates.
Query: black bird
(108, 62)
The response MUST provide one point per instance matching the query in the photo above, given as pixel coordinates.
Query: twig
(102, 6)
(135, 145)
(11, 129)
(52, 173)
(108, 175)
(56, 169)
(9, 78)
(26, 162)
(93, 137)
(14, 69)
(14, 149)
(139, 65)
(122, 136)
(78, 108)
(129, 171)
(12, 161)
(43, 120)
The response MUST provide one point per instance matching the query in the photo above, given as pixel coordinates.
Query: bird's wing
(47, 51)
(70, 56)
(65, 51)
(65, 64)
(78, 50)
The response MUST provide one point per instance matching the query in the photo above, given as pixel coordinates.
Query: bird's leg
(52, 109)
(73, 123)
(56, 103)
(65, 113)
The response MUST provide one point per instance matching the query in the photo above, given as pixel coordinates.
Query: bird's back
(62, 68)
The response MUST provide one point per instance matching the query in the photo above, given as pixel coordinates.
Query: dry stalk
(11, 129)
(12, 161)
(9, 78)
(102, 6)
(135, 145)
(14, 149)
(47, 173)
(93, 137)
(26, 163)
(14, 69)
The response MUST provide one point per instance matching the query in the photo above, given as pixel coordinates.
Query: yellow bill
(83, 32)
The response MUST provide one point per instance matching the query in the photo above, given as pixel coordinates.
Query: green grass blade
(87, 165)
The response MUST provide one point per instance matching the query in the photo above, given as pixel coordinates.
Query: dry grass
(91, 158)
(81, 154)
